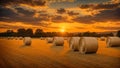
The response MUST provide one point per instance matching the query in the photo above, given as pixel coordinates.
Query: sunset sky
(60, 15)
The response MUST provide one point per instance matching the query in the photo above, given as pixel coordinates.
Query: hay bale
(65, 38)
(49, 39)
(12, 38)
(102, 38)
(58, 41)
(74, 43)
(113, 41)
(115, 34)
(42, 38)
(97, 38)
(8, 38)
(16, 38)
(20, 38)
(27, 41)
(88, 45)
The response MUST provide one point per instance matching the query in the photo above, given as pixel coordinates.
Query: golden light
(62, 30)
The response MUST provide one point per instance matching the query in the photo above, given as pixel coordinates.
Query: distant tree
(21, 32)
(86, 34)
(110, 34)
(118, 33)
(29, 32)
(9, 32)
(38, 33)
(94, 34)
(79, 34)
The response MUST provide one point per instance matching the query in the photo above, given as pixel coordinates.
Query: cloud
(5, 26)
(108, 28)
(53, 27)
(61, 11)
(27, 17)
(103, 16)
(58, 19)
(25, 12)
(115, 1)
(80, 27)
(43, 17)
(29, 2)
(20, 14)
(7, 14)
(100, 6)
(71, 13)
(16, 25)
(84, 19)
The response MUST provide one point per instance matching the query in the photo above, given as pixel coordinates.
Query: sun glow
(62, 30)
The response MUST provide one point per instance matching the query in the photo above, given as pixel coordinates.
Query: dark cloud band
(29, 2)
(104, 16)
(100, 6)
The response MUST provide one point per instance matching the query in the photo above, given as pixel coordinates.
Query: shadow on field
(118, 48)
(57, 48)
(24, 46)
(77, 52)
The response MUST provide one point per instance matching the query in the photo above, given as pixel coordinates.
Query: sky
(60, 15)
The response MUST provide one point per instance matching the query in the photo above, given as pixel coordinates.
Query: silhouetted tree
(110, 34)
(21, 32)
(29, 32)
(94, 34)
(86, 34)
(118, 33)
(9, 32)
(38, 33)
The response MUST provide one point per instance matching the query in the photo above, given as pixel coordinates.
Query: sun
(62, 30)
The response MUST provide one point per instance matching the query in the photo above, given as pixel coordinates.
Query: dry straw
(88, 45)
(27, 41)
(58, 41)
(113, 41)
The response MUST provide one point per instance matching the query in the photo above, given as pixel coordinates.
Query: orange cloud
(38, 14)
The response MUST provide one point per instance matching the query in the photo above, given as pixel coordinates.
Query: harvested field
(44, 55)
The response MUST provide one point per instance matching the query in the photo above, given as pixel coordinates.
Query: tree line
(40, 33)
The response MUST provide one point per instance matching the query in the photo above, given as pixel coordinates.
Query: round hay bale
(88, 45)
(113, 41)
(12, 38)
(65, 38)
(20, 38)
(58, 41)
(102, 38)
(27, 41)
(49, 39)
(8, 38)
(96, 38)
(42, 38)
(74, 43)
(115, 34)
(16, 38)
